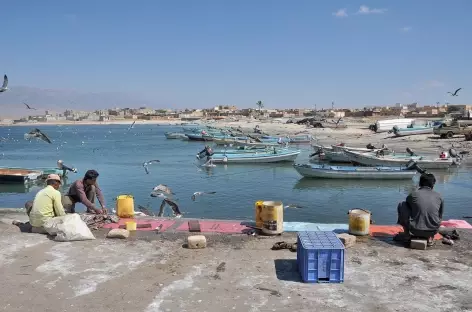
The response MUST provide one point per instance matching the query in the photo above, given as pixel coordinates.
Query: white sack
(68, 228)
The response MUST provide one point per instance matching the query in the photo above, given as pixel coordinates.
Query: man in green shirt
(46, 205)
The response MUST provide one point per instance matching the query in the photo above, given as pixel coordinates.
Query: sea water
(117, 153)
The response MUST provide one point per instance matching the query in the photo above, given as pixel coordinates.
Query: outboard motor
(453, 153)
(370, 146)
(207, 151)
(413, 165)
(395, 129)
(410, 152)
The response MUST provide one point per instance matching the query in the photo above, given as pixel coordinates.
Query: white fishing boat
(412, 131)
(175, 135)
(373, 160)
(335, 153)
(277, 155)
(388, 124)
(350, 172)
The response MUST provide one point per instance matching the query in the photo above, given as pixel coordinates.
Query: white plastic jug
(359, 221)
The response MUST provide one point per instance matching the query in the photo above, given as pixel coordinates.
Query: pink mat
(460, 224)
(154, 224)
(216, 226)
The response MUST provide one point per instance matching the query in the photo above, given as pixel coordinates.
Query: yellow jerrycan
(125, 206)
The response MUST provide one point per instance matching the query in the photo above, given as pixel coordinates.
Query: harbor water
(117, 153)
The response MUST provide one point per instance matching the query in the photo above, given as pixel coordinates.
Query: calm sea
(117, 154)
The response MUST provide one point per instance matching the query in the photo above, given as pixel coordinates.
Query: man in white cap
(46, 205)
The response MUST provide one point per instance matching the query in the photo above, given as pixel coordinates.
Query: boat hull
(254, 158)
(386, 161)
(408, 132)
(175, 135)
(334, 172)
(19, 176)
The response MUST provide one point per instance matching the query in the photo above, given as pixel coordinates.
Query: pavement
(154, 272)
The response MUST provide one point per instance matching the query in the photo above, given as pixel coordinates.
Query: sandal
(430, 242)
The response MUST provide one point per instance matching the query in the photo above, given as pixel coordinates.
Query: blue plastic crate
(320, 257)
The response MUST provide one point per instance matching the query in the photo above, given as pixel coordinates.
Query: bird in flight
(161, 191)
(455, 92)
(132, 126)
(149, 162)
(4, 88)
(29, 107)
(194, 196)
(36, 133)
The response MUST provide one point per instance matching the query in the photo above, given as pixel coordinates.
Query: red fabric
(216, 227)
(154, 224)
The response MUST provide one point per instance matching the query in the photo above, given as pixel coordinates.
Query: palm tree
(260, 105)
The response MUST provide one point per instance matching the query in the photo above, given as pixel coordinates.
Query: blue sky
(216, 52)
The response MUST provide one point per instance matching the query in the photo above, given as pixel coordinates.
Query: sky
(196, 54)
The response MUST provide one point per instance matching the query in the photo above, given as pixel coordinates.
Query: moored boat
(350, 172)
(175, 135)
(276, 155)
(369, 159)
(299, 139)
(18, 175)
(412, 131)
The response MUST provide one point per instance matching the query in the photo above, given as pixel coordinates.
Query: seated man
(84, 191)
(46, 205)
(422, 212)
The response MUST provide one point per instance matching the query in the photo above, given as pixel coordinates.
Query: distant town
(222, 112)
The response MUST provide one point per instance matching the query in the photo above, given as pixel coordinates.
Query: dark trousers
(69, 203)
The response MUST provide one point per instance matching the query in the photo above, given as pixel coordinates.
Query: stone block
(419, 244)
(118, 233)
(196, 242)
(347, 239)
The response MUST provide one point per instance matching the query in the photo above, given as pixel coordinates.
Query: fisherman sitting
(421, 214)
(84, 191)
(47, 204)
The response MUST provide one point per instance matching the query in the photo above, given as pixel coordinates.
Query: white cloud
(366, 10)
(340, 13)
(405, 29)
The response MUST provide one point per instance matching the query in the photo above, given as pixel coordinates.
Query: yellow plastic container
(259, 220)
(359, 222)
(131, 225)
(273, 217)
(125, 206)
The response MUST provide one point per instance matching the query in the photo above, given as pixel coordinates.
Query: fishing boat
(195, 137)
(299, 139)
(335, 153)
(229, 140)
(412, 131)
(387, 124)
(175, 135)
(350, 172)
(253, 143)
(18, 175)
(371, 159)
(276, 155)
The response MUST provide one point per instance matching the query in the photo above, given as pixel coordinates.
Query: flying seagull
(29, 107)
(4, 88)
(149, 162)
(64, 168)
(455, 92)
(161, 191)
(145, 211)
(36, 133)
(132, 126)
(194, 196)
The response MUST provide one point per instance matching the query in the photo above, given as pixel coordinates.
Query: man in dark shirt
(84, 191)
(422, 212)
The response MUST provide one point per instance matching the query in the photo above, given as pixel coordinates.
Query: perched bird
(194, 196)
(455, 92)
(29, 107)
(36, 133)
(149, 162)
(4, 88)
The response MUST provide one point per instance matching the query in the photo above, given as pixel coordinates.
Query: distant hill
(11, 101)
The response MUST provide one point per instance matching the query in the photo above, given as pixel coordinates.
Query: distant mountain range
(11, 101)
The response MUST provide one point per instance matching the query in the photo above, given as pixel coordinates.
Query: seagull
(455, 92)
(132, 126)
(4, 88)
(194, 196)
(161, 191)
(149, 162)
(293, 206)
(29, 107)
(63, 167)
(36, 133)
